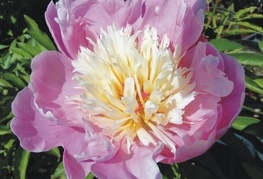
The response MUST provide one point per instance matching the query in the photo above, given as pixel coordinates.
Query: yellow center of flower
(133, 90)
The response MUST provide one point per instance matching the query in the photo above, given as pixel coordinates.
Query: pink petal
(208, 72)
(142, 165)
(92, 148)
(202, 107)
(197, 148)
(232, 104)
(187, 24)
(73, 168)
(74, 146)
(106, 170)
(196, 5)
(211, 80)
(52, 80)
(36, 130)
(55, 30)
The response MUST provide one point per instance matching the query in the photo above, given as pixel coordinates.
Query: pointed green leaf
(223, 44)
(238, 147)
(243, 121)
(37, 34)
(32, 50)
(59, 172)
(169, 171)
(15, 80)
(55, 152)
(3, 46)
(254, 172)
(252, 59)
(20, 53)
(253, 86)
(251, 16)
(191, 170)
(89, 176)
(244, 12)
(259, 82)
(238, 31)
(260, 45)
(247, 25)
(20, 163)
(4, 83)
(4, 130)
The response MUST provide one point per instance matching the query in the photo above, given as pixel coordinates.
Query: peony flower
(134, 83)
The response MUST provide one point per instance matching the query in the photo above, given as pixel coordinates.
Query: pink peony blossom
(135, 83)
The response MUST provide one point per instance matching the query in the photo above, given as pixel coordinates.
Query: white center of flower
(131, 91)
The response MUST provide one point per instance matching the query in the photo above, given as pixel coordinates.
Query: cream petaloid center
(132, 90)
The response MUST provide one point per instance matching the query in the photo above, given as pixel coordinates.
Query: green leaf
(243, 12)
(259, 82)
(37, 34)
(193, 171)
(207, 160)
(223, 44)
(32, 50)
(169, 171)
(251, 16)
(4, 83)
(255, 129)
(260, 45)
(21, 53)
(253, 86)
(238, 31)
(224, 20)
(59, 172)
(247, 25)
(243, 121)
(4, 130)
(55, 152)
(89, 176)
(9, 144)
(238, 147)
(254, 172)
(20, 163)
(15, 80)
(252, 59)
(3, 46)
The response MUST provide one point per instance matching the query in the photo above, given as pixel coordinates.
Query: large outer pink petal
(36, 130)
(75, 21)
(232, 104)
(139, 163)
(42, 119)
(73, 168)
(142, 165)
(196, 5)
(40, 132)
(52, 81)
(79, 155)
(105, 170)
(55, 29)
